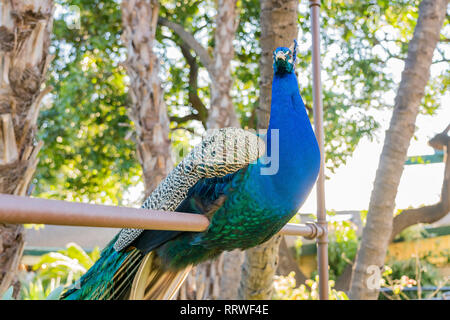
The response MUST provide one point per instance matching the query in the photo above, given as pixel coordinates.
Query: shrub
(285, 289)
(56, 269)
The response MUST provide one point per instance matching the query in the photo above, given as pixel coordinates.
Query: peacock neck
(291, 144)
(288, 112)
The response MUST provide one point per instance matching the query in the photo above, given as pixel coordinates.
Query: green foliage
(8, 295)
(417, 231)
(55, 294)
(245, 67)
(417, 272)
(35, 291)
(56, 270)
(285, 289)
(342, 247)
(86, 156)
(87, 153)
(362, 41)
(411, 268)
(197, 17)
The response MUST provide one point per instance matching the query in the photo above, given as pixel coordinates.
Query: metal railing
(445, 292)
(17, 209)
(322, 240)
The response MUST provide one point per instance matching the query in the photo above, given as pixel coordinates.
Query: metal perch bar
(322, 240)
(16, 209)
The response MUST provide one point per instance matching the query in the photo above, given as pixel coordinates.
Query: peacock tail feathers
(109, 278)
(127, 275)
(152, 282)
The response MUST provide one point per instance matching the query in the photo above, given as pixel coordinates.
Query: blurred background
(112, 73)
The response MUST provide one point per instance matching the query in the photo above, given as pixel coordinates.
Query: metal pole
(15, 209)
(322, 240)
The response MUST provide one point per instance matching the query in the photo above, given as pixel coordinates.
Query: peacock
(248, 185)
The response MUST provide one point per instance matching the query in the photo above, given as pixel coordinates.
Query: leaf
(74, 251)
(8, 294)
(55, 294)
(95, 254)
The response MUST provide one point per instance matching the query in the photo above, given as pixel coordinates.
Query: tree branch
(194, 99)
(185, 118)
(441, 61)
(440, 140)
(432, 213)
(288, 263)
(190, 41)
(192, 131)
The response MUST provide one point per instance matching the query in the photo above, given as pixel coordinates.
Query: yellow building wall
(419, 248)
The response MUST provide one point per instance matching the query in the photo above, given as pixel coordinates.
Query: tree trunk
(221, 115)
(147, 108)
(216, 279)
(25, 28)
(378, 229)
(219, 279)
(278, 28)
(221, 112)
(258, 270)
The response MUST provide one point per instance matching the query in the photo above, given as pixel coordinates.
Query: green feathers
(109, 278)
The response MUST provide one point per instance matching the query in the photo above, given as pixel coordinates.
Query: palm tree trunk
(278, 28)
(378, 229)
(221, 112)
(25, 28)
(147, 108)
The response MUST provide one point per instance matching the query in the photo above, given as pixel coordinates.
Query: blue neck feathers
(294, 154)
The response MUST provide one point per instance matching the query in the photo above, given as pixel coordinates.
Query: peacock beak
(280, 55)
(283, 62)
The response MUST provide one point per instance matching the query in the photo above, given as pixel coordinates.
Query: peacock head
(284, 59)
